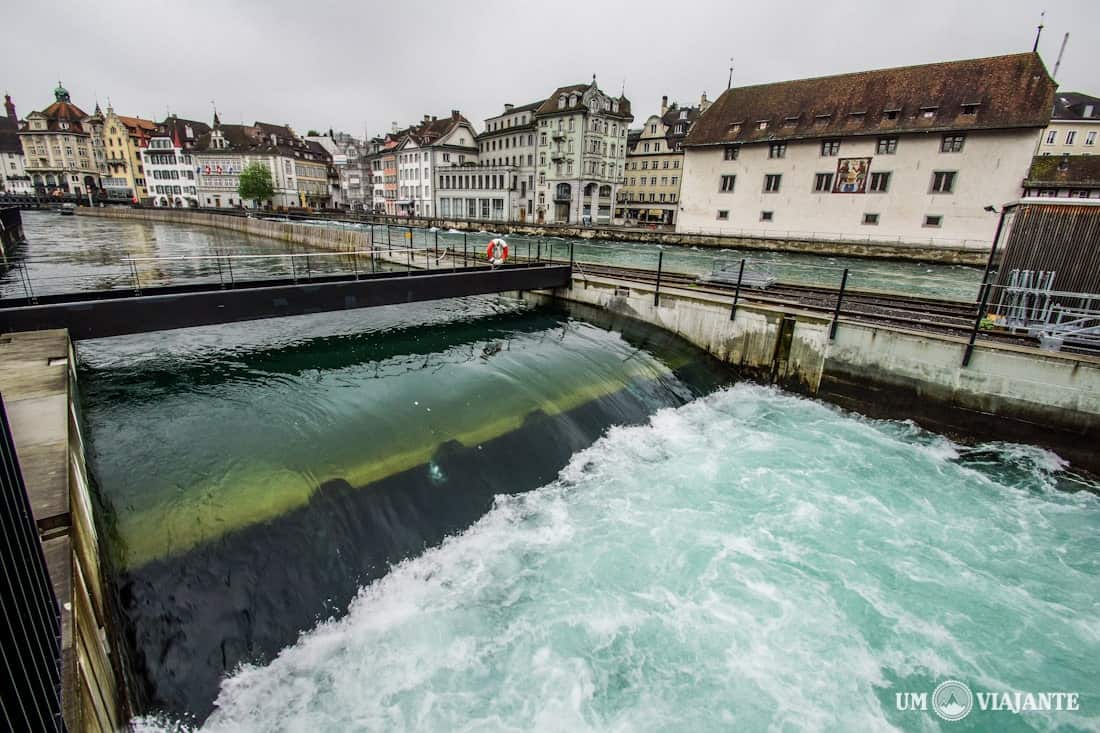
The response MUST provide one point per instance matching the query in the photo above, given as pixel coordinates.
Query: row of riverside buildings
(913, 153)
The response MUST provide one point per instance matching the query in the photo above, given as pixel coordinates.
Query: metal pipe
(839, 299)
(974, 331)
(737, 290)
(657, 289)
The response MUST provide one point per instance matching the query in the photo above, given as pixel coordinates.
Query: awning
(656, 212)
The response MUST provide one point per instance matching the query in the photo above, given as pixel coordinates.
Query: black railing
(30, 628)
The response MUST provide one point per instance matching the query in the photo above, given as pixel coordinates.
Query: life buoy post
(496, 252)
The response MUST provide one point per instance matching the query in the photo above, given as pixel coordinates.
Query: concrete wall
(1006, 393)
(989, 170)
(330, 238)
(38, 381)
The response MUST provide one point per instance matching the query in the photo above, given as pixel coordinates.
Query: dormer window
(561, 102)
(970, 109)
(791, 121)
(891, 113)
(928, 112)
(735, 128)
(823, 118)
(761, 124)
(572, 100)
(857, 116)
(683, 114)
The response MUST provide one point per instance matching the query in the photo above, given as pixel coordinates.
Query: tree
(256, 183)
(313, 133)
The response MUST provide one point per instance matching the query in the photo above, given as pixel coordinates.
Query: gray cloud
(362, 65)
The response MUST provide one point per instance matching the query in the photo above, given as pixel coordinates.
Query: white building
(171, 178)
(13, 173)
(912, 153)
(1074, 126)
(429, 148)
(477, 192)
(509, 145)
(582, 136)
(299, 168)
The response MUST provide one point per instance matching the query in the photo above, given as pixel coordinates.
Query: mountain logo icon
(952, 700)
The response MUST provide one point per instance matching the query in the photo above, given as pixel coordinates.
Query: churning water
(748, 561)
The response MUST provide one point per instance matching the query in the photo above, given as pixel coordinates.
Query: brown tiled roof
(1009, 91)
(176, 127)
(139, 124)
(1070, 171)
(550, 105)
(64, 111)
(1071, 107)
(256, 140)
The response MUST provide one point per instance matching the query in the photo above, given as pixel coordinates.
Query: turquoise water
(748, 561)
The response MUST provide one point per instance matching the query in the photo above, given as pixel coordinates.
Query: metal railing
(1057, 318)
(30, 622)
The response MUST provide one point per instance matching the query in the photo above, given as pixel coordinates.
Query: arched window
(605, 192)
(563, 192)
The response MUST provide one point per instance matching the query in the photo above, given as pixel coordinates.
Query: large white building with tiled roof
(582, 135)
(426, 150)
(63, 147)
(913, 154)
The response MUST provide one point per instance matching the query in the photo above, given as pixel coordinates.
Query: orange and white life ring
(497, 251)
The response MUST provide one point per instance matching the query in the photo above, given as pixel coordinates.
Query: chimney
(427, 118)
(508, 106)
(9, 108)
(703, 102)
(454, 114)
(664, 105)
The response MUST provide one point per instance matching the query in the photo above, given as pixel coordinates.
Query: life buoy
(497, 251)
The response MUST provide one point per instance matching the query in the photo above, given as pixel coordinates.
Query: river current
(474, 515)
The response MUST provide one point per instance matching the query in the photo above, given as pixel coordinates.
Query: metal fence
(30, 630)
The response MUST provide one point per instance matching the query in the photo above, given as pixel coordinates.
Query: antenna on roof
(1038, 32)
(1061, 51)
(729, 85)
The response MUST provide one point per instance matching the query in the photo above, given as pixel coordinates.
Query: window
(970, 109)
(933, 221)
(727, 184)
(891, 114)
(952, 143)
(880, 182)
(1071, 136)
(1090, 138)
(928, 112)
(870, 218)
(943, 182)
(823, 182)
(830, 147)
(723, 214)
(730, 152)
(887, 146)
(771, 182)
(652, 130)
(767, 215)
(1052, 135)
(777, 150)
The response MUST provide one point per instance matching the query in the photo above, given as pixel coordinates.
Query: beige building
(1074, 126)
(912, 154)
(123, 140)
(654, 166)
(62, 147)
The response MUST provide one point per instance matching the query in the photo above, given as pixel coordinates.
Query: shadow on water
(194, 616)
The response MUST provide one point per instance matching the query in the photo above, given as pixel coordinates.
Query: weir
(1006, 392)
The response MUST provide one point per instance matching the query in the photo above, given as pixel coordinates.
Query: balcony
(558, 134)
(558, 155)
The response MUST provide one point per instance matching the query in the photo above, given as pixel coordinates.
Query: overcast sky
(362, 65)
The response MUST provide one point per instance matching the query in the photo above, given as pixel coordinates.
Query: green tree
(256, 183)
(313, 133)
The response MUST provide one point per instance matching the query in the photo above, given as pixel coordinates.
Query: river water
(474, 515)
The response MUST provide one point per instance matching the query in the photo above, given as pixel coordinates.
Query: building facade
(13, 174)
(1074, 126)
(433, 145)
(299, 168)
(124, 139)
(582, 134)
(62, 147)
(509, 145)
(1063, 176)
(912, 154)
(654, 166)
(171, 177)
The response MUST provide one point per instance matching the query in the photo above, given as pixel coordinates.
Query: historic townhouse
(433, 145)
(654, 166)
(582, 135)
(912, 153)
(171, 178)
(1074, 126)
(63, 147)
(299, 168)
(13, 175)
(124, 139)
(507, 154)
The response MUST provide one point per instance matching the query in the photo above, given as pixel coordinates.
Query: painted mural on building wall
(851, 175)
